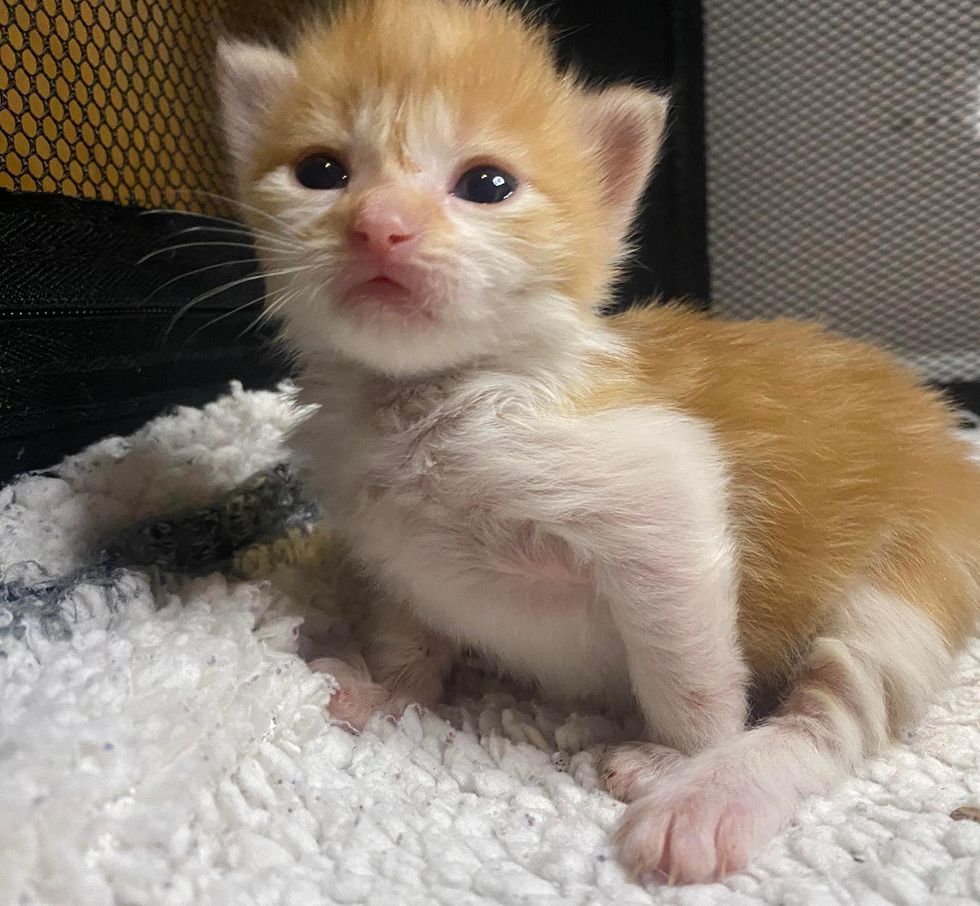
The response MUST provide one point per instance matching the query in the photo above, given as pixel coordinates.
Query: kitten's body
(656, 508)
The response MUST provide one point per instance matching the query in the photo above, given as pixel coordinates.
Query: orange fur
(842, 465)
(496, 72)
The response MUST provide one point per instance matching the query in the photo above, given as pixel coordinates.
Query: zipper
(96, 312)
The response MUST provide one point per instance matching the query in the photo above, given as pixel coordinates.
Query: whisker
(273, 309)
(231, 225)
(254, 210)
(227, 220)
(269, 312)
(243, 232)
(217, 196)
(220, 289)
(256, 301)
(234, 311)
(217, 244)
(195, 214)
(199, 270)
(277, 239)
(205, 228)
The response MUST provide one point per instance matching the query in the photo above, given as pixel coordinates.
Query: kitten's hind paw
(356, 697)
(628, 770)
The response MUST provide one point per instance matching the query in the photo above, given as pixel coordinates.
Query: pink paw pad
(356, 697)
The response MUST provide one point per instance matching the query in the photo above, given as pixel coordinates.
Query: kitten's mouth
(382, 294)
(381, 289)
(379, 282)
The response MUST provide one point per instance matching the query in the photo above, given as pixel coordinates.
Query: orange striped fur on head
(493, 72)
(409, 93)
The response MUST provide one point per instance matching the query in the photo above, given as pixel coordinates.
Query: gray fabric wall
(844, 169)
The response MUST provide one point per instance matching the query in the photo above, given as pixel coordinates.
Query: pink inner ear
(626, 126)
(249, 76)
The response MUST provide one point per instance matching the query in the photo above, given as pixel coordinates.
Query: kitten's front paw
(696, 826)
(628, 770)
(356, 697)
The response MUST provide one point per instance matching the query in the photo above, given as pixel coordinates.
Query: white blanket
(176, 750)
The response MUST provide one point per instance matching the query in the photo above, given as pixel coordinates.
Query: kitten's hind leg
(710, 815)
(403, 663)
(408, 659)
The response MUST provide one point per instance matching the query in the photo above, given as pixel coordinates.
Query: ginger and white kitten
(658, 510)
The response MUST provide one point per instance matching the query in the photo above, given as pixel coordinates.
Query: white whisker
(256, 301)
(269, 312)
(220, 289)
(199, 270)
(217, 244)
(282, 295)
(243, 231)
(217, 196)
(230, 224)
(195, 214)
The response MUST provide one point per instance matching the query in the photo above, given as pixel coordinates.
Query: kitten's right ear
(249, 78)
(625, 125)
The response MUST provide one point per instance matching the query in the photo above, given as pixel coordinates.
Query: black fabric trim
(965, 395)
(658, 43)
(89, 334)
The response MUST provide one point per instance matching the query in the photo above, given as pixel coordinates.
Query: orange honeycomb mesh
(110, 99)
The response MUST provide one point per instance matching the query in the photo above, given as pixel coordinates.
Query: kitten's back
(843, 466)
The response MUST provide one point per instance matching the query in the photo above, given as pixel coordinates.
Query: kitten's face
(437, 195)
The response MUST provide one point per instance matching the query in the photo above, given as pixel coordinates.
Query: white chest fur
(393, 472)
(438, 489)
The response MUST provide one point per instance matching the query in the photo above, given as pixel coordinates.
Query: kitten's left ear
(249, 78)
(626, 125)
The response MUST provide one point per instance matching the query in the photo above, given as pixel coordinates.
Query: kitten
(656, 510)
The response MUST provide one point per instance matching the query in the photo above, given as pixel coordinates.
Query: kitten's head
(439, 190)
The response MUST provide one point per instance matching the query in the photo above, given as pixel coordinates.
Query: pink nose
(383, 229)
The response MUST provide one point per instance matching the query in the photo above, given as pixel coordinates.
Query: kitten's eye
(485, 185)
(321, 171)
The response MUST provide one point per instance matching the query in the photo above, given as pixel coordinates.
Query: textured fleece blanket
(163, 742)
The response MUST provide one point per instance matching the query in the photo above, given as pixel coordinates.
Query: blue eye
(321, 171)
(485, 185)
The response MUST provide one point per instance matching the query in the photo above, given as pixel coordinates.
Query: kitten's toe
(697, 826)
(356, 697)
(627, 770)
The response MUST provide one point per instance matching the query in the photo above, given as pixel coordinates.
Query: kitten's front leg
(403, 663)
(674, 604)
(642, 499)
(675, 612)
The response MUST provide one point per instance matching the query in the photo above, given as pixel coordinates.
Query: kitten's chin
(405, 347)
